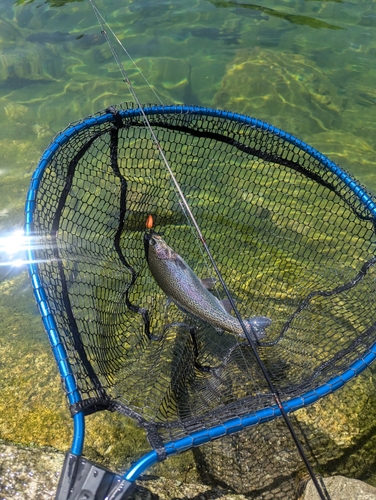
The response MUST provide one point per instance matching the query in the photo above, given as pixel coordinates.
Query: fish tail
(257, 325)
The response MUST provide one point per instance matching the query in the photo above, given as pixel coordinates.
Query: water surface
(307, 67)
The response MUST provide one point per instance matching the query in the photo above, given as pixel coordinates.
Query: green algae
(30, 385)
(33, 408)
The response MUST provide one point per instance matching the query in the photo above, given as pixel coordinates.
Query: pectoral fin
(208, 283)
(226, 305)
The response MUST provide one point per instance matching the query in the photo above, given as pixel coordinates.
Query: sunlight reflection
(17, 250)
(13, 247)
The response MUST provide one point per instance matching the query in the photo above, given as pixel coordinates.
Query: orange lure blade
(149, 221)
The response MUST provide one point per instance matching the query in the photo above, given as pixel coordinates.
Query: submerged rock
(342, 488)
(285, 89)
(337, 433)
(27, 473)
(33, 474)
(24, 62)
(9, 31)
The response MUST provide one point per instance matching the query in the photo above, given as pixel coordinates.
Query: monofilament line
(102, 23)
(126, 79)
(188, 211)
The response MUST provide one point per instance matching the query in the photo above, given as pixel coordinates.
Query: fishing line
(182, 202)
(188, 212)
(102, 23)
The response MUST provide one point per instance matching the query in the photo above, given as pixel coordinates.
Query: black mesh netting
(292, 241)
(338, 434)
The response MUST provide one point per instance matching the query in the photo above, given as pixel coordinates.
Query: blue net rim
(232, 425)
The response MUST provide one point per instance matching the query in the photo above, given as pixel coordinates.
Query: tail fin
(257, 326)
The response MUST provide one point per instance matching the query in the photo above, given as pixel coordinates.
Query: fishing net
(338, 434)
(292, 235)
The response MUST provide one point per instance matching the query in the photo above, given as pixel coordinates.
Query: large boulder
(285, 89)
(342, 488)
(33, 474)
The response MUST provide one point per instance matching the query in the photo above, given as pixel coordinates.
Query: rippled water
(307, 67)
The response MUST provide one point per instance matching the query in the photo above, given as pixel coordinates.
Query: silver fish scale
(180, 283)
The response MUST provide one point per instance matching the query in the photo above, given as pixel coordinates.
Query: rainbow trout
(187, 291)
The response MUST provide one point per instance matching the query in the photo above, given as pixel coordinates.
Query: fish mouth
(149, 236)
(160, 247)
(149, 239)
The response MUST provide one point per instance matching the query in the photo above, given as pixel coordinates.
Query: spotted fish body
(180, 283)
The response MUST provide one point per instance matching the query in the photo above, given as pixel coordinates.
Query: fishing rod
(188, 212)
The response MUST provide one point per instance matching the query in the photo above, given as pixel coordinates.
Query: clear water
(308, 67)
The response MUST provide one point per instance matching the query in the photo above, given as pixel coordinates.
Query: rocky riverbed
(33, 474)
